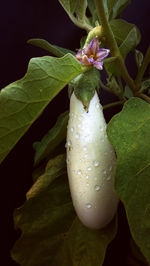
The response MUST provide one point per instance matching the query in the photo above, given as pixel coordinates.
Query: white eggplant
(91, 164)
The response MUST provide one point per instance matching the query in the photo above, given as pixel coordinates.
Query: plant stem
(143, 96)
(113, 104)
(104, 86)
(112, 45)
(143, 67)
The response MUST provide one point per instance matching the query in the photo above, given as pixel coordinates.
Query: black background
(20, 21)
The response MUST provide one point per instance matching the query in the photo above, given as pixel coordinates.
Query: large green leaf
(129, 132)
(54, 49)
(52, 235)
(132, 40)
(23, 101)
(52, 139)
(121, 29)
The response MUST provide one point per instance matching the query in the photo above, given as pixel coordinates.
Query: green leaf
(132, 40)
(85, 84)
(127, 36)
(22, 102)
(77, 7)
(128, 131)
(145, 85)
(114, 8)
(52, 235)
(128, 93)
(121, 29)
(52, 139)
(118, 7)
(54, 49)
(114, 86)
(138, 58)
(92, 9)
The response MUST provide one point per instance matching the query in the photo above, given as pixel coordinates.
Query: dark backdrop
(20, 21)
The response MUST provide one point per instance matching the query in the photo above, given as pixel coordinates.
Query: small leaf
(54, 49)
(145, 85)
(128, 131)
(138, 58)
(128, 92)
(114, 86)
(52, 139)
(22, 102)
(51, 232)
(127, 36)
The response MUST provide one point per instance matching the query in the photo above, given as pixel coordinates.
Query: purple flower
(92, 54)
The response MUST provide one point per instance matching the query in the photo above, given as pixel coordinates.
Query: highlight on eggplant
(91, 163)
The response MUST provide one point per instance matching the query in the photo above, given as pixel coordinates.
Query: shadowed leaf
(52, 139)
(129, 132)
(54, 49)
(52, 235)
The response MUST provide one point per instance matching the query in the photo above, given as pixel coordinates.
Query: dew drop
(89, 168)
(110, 168)
(108, 177)
(84, 148)
(79, 172)
(71, 129)
(96, 163)
(97, 188)
(67, 160)
(88, 205)
(105, 172)
(69, 143)
(85, 155)
(97, 105)
(80, 118)
(86, 176)
(77, 136)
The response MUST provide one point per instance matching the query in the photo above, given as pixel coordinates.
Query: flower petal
(102, 53)
(98, 64)
(79, 55)
(94, 46)
(86, 60)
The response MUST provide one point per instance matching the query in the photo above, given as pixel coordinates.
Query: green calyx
(84, 86)
(97, 31)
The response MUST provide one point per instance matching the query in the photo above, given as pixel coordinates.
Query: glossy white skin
(90, 164)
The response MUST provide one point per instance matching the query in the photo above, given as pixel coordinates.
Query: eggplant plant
(84, 169)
